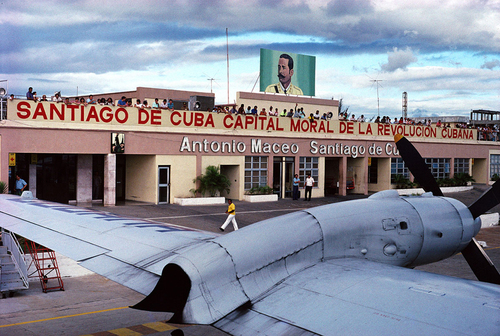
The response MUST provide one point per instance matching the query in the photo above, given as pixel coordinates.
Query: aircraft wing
(131, 252)
(345, 296)
(358, 297)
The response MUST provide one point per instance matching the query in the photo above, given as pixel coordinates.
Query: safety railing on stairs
(12, 244)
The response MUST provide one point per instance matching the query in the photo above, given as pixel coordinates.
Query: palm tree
(3, 187)
(212, 182)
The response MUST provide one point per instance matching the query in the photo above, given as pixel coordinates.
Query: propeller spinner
(474, 254)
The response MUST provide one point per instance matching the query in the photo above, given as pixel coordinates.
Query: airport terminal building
(69, 152)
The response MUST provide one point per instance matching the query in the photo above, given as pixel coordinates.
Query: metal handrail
(10, 241)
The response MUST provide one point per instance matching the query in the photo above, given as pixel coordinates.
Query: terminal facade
(82, 153)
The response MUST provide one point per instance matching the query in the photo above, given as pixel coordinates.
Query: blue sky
(445, 55)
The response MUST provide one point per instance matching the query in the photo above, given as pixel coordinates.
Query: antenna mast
(405, 105)
(227, 57)
(378, 100)
(211, 81)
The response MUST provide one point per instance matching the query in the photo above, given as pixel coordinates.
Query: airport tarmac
(93, 305)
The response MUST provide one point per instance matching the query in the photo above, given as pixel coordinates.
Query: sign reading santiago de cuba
(132, 116)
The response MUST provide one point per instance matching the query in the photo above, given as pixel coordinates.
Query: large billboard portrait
(287, 73)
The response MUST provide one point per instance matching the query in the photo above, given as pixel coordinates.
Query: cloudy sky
(445, 54)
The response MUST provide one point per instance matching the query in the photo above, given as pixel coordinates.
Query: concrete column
(32, 181)
(452, 167)
(84, 179)
(110, 180)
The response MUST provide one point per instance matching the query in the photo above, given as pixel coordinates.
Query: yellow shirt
(231, 209)
(292, 89)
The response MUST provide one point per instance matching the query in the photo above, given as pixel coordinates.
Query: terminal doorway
(332, 174)
(56, 177)
(283, 170)
(163, 184)
(98, 177)
(232, 172)
(21, 168)
(120, 177)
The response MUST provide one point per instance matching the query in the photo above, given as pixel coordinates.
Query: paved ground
(94, 305)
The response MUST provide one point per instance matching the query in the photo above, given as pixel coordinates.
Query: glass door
(277, 175)
(163, 184)
(283, 169)
(288, 176)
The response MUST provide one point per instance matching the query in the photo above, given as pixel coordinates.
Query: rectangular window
(398, 167)
(308, 165)
(440, 168)
(494, 164)
(461, 166)
(255, 171)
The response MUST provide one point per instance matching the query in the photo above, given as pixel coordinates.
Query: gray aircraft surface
(338, 269)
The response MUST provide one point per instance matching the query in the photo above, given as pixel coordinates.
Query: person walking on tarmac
(231, 211)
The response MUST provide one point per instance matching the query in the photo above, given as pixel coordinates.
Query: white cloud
(398, 59)
(103, 46)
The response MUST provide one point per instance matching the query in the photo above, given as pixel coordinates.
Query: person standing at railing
(29, 94)
(122, 102)
(170, 105)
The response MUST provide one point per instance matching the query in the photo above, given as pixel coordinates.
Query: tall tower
(405, 105)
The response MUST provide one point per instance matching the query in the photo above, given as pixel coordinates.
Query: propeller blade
(480, 263)
(488, 200)
(474, 254)
(417, 166)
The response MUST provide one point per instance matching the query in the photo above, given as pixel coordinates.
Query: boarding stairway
(13, 269)
(47, 270)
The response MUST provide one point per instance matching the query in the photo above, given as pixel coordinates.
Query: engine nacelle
(228, 271)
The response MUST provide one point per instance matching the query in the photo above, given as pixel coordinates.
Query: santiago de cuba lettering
(257, 146)
(132, 116)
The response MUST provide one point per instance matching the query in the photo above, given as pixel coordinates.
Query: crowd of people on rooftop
(124, 101)
(486, 133)
(294, 112)
(344, 116)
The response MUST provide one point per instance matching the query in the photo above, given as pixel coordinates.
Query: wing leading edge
(355, 297)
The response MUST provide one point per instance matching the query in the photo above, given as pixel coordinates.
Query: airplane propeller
(416, 164)
(488, 200)
(474, 254)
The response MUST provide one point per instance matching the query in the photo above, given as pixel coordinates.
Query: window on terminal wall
(461, 166)
(398, 167)
(255, 171)
(494, 165)
(373, 171)
(440, 168)
(308, 165)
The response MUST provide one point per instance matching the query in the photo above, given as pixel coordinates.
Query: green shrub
(402, 182)
(260, 190)
(462, 179)
(4, 187)
(212, 182)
